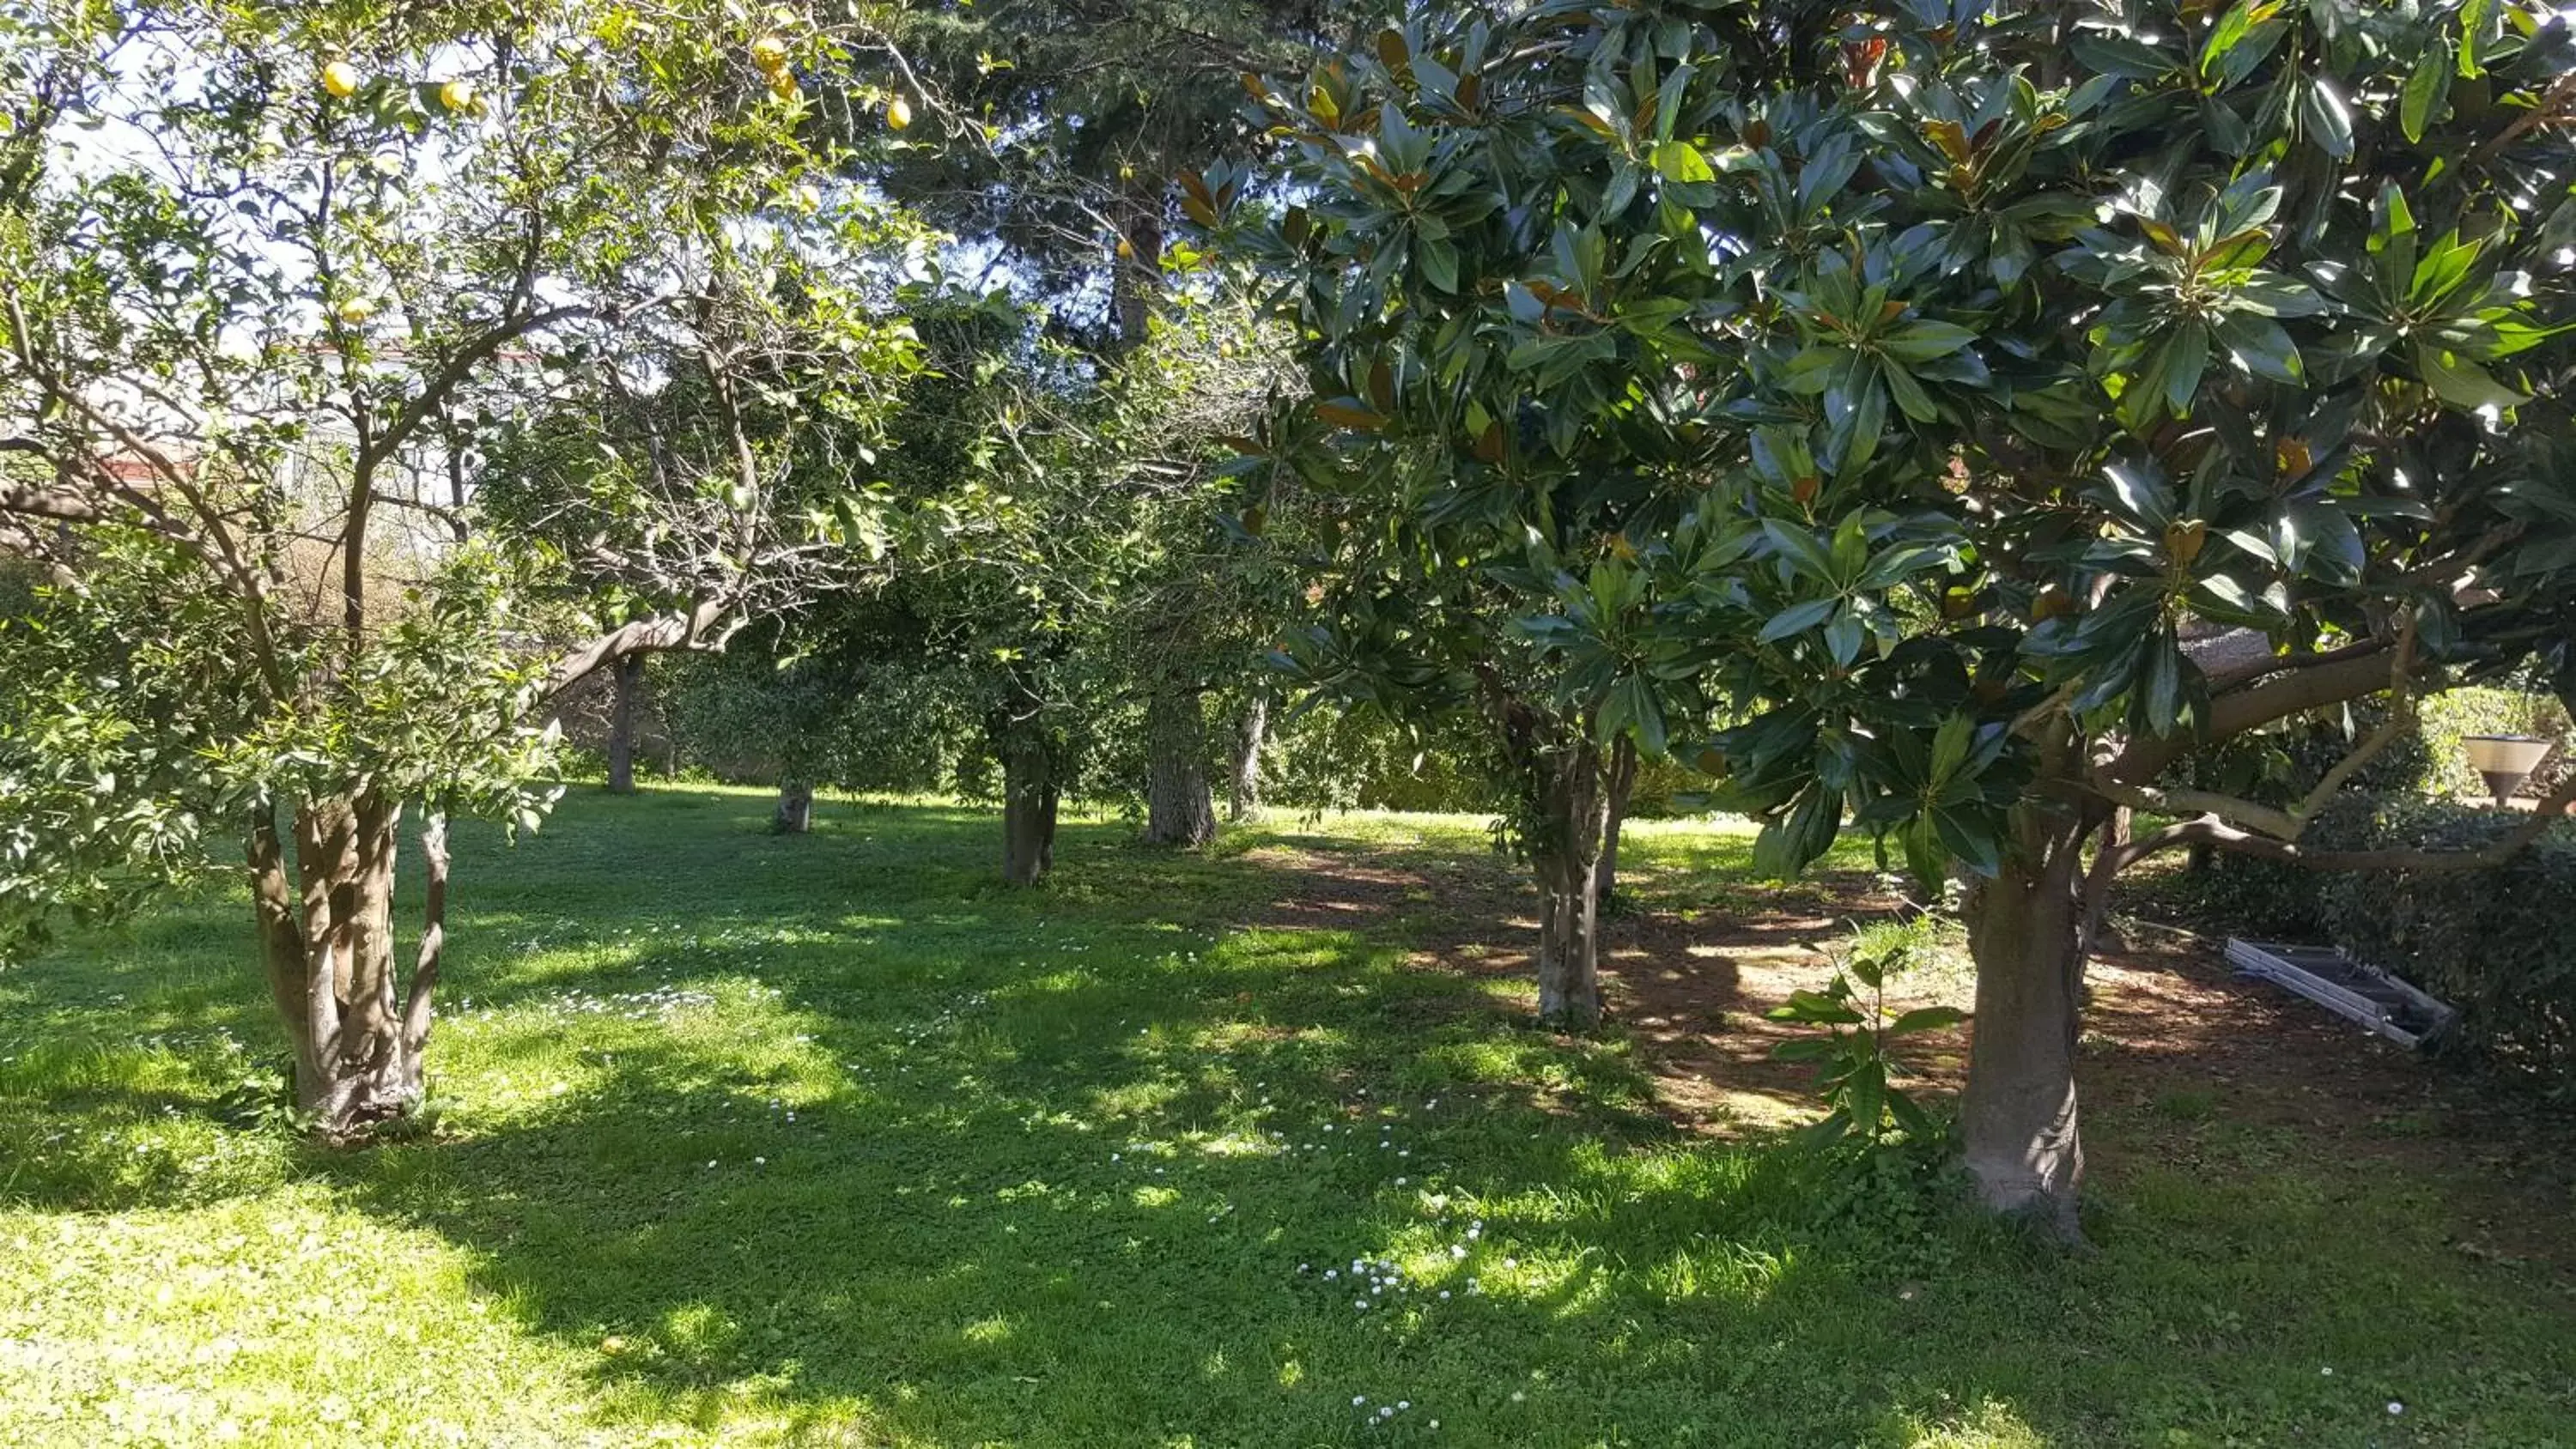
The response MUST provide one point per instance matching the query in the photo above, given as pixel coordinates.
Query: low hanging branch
(2215, 831)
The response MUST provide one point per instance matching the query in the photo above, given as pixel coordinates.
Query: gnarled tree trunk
(2018, 1121)
(326, 931)
(626, 682)
(1180, 808)
(1244, 802)
(795, 814)
(1622, 779)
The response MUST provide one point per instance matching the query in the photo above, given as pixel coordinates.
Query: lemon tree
(277, 275)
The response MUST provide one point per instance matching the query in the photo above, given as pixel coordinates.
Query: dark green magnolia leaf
(1800, 548)
(2270, 294)
(1350, 412)
(2260, 346)
(1843, 639)
(1926, 1018)
(1909, 1114)
(1865, 1094)
(2233, 26)
(1924, 855)
(1439, 263)
(2324, 544)
(1855, 416)
(2326, 119)
(2227, 130)
(2160, 691)
(1834, 1128)
(2426, 89)
(2119, 55)
(1970, 839)
(1924, 341)
(1815, 369)
(2462, 383)
(1910, 397)
(2186, 354)
(1786, 846)
(2142, 493)
(1642, 712)
(2142, 394)
(1796, 619)
(1817, 1009)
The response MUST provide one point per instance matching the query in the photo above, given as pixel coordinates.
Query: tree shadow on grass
(1054, 1163)
(1043, 1168)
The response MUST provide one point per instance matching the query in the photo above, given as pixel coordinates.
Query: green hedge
(2447, 717)
(2500, 944)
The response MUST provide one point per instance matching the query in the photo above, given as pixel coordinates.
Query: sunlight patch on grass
(1983, 1425)
(200, 1328)
(863, 1150)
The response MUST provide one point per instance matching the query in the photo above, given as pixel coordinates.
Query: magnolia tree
(274, 276)
(1962, 369)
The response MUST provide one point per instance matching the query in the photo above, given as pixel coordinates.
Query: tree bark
(1622, 779)
(626, 681)
(1244, 798)
(327, 941)
(2018, 1120)
(795, 814)
(1566, 856)
(281, 928)
(1138, 275)
(1029, 799)
(2097, 930)
(1180, 808)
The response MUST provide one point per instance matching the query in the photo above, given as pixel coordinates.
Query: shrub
(2449, 716)
(2500, 944)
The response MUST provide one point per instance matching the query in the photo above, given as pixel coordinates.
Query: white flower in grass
(2395, 1407)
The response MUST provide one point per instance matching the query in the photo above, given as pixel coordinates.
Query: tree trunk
(795, 808)
(626, 681)
(1566, 857)
(1622, 779)
(1138, 275)
(2018, 1119)
(1180, 808)
(1244, 799)
(2097, 931)
(1029, 799)
(328, 947)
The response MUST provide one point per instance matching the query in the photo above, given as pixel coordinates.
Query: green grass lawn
(831, 1141)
